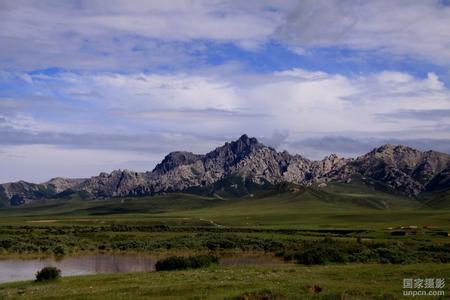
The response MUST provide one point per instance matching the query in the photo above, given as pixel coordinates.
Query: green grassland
(392, 235)
(173, 221)
(353, 206)
(366, 281)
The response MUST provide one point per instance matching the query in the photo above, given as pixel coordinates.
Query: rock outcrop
(16, 193)
(402, 168)
(399, 168)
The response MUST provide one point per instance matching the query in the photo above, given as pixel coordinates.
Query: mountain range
(246, 165)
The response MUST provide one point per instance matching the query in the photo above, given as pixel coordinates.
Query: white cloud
(216, 103)
(112, 103)
(165, 91)
(99, 35)
(284, 96)
(433, 82)
(137, 35)
(157, 113)
(415, 28)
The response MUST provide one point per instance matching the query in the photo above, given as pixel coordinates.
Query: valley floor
(360, 281)
(376, 239)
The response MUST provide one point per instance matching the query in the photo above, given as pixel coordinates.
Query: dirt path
(213, 223)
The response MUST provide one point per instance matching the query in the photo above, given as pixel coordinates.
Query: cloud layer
(88, 86)
(401, 27)
(307, 112)
(132, 35)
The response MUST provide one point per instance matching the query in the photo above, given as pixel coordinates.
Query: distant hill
(245, 166)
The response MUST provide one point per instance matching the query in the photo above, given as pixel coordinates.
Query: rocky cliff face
(175, 159)
(16, 193)
(59, 184)
(398, 167)
(402, 168)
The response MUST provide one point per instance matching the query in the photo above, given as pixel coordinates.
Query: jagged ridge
(399, 168)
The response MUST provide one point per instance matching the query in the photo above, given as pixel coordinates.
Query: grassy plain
(363, 281)
(282, 221)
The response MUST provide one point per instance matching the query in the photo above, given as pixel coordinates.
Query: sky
(92, 86)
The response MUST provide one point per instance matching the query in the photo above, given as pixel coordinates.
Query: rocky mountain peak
(175, 159)
(399, 168)
(246, 140)
(60, 184)
(233, 152)
(57, 180)
(243, 145)
(332, 161)
(390, 150)
(394, 154)
(331, 157)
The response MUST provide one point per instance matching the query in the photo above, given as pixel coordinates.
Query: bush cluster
(182, 263)
(61, 240)
(48, 273)
(335, 251)
(318, 256)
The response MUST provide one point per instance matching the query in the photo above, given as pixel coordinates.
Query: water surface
(25, 269)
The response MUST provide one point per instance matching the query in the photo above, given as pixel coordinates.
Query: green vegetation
(270, 222)
(183, 263)
(290, 281)
(337, 205)
(344, 251)
(437, 200)
(341, 232)
(48, 273)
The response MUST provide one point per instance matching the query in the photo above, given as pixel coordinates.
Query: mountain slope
(404, 169)
(16, 193)
(245, 166)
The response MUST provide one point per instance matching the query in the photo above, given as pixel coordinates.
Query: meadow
(354, 242)
(360, 281)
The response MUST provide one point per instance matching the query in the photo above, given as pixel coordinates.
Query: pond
(25, 269)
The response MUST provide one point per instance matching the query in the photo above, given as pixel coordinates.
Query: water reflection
(25, 269)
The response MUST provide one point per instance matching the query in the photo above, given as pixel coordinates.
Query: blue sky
(91, 86)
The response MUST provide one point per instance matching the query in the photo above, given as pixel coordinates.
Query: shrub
(7, 243)
(59, 250)
(200, 261)
(393, 256)
(182, 263)
(48, 273)
(399, 233)
(217, 244)
(309, 257)
(320, 256)
(172, 263)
